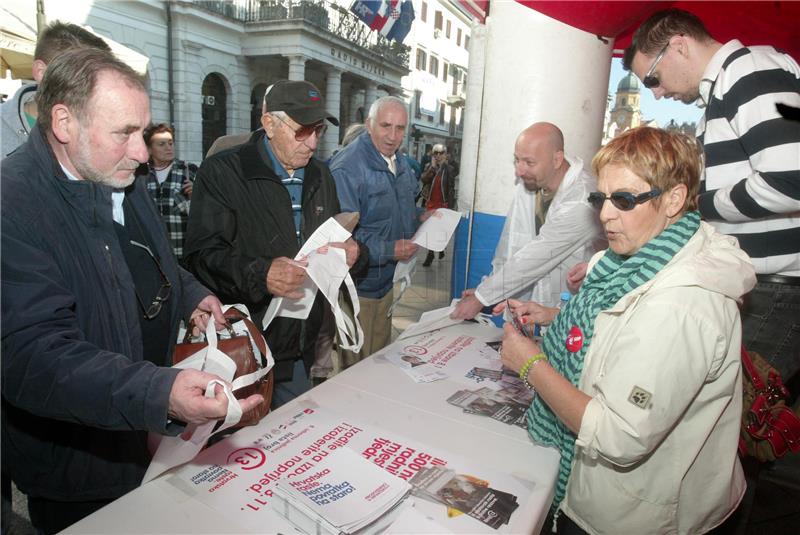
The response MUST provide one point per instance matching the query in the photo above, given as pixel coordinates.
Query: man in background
(374, 179)
(19, 112)
(550, 228)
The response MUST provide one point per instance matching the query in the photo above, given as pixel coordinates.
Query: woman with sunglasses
(638, 379)
(438, 187)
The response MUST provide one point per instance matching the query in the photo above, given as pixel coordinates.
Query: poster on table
(446, 354)
(238, 477)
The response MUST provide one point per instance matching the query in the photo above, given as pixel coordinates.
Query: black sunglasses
(305, 130)
(163, 292)
(438, 152)
(650, 80)
(622, 199)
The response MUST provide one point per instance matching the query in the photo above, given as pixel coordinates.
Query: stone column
(356, 101)
(333, 97)
(369, 97)
(516, 31)
(297, 68)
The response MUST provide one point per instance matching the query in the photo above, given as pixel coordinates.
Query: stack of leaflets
(466, 494)
(343, 493)
(506, 400)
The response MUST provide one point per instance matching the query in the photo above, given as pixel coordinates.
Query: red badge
(574, 339)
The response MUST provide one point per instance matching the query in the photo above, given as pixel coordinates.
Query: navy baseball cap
(301, 101)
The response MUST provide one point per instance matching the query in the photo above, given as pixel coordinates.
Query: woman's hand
(516, 348)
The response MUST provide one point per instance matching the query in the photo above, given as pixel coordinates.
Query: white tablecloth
(374, 392)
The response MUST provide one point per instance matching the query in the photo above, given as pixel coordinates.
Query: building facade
(211, 61)
(436, 84)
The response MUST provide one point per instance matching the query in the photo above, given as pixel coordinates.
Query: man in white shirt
(549, 228)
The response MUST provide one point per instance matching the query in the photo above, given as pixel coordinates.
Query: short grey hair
(439, 148)
(384, 101)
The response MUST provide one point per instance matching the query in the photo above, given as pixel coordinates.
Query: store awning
(754, 23)
(18, 42)
(17, 54)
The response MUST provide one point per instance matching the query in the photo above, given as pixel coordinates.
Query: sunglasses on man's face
(438, 152)
(650, 80)
(623, 200)
(305, 130)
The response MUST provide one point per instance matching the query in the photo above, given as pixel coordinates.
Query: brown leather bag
(239, 350)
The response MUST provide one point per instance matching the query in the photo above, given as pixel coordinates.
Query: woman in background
(169, 183)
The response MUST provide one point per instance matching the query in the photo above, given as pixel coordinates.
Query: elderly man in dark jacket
(253, 206)
(91, 300)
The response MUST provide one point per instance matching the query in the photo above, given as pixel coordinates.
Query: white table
(376, 393)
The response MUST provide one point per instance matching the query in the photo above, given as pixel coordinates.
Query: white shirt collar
(713, 69)
(117, 196)
(391, 162)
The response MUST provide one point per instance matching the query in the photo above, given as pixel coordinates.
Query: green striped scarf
(611, 278)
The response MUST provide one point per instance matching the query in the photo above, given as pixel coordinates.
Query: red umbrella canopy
(753, 23)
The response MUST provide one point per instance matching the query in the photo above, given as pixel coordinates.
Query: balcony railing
(321, 14)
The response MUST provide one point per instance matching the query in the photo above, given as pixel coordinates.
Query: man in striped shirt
(751, 186)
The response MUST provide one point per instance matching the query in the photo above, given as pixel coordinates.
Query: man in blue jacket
(91, 300)
(374, 179)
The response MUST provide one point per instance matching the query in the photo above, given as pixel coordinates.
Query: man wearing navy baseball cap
(253, 206)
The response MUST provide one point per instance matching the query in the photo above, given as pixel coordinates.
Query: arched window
(215, 98)
(256, 100)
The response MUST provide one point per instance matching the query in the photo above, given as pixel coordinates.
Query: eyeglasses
(305, 130)
(650, 80)
(163, 292)
(438, 152)
(622, 199)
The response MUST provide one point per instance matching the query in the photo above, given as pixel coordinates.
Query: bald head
(546, 133)
(539, 157)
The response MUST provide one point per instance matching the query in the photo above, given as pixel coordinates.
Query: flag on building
(392, 18)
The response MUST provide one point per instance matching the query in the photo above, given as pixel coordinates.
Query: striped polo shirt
(751, 183)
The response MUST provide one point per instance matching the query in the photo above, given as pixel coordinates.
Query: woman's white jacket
(656, 451)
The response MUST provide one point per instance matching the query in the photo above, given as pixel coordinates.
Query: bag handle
(351, 335)
(233, 315)
(752, 372)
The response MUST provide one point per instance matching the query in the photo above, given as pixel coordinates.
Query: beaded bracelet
(523, 372)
